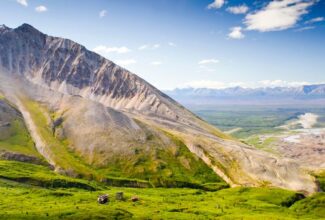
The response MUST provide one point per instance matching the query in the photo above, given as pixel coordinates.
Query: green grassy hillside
(171, 166)
(47, 195)
(168, 166)
(14, 136)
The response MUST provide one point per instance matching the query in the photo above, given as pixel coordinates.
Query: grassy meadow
(35, 192)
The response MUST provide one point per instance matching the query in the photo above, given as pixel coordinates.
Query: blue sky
(198, 43)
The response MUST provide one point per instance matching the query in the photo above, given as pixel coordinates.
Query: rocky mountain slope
(91, 118)
(307, 94)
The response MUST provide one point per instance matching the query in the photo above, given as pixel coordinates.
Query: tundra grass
(320, 176)
(14, 137)
(39, 175)
(22, 201)
(58, 149)
(172, 166)
(18, 140)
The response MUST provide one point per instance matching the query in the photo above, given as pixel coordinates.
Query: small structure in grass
(135, 198)
(103, 199)
(119, 196)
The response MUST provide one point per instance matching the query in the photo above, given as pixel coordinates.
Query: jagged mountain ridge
(70, 68)
(267, 95)
(299, 91)
(60, 79)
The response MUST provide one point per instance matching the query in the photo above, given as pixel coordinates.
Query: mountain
(306, 94)
(90, 118)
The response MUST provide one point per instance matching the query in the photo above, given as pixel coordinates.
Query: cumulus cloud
(156, 63)
(126, 62)
(236, 33)
(277, 15)
(208, 61)
(23, 2)
(315, 20)
(240, 9)
(41, 8)
(216, 4)
(149, 47)
(101, 49)
(102, 13)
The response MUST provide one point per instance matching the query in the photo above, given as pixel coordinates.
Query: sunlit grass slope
(174, 166)
(20, 199)
(14, 136)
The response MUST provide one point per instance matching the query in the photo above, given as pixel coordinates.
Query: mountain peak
(4, 28)
(27, 28)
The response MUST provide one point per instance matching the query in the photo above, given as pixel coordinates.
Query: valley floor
(33, 192)
(296, 133)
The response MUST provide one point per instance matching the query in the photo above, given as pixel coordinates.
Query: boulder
(103, 199)
(134, 199)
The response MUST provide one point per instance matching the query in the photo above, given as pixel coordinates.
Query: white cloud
(208, 61)
(305, 28)
(172, 44)
(277, 15)
(156, 63)
(315, 20)
(259, 84)
(126, 62)
(143, 47)
(210, 84)
(23, 2)
(156, 46)
(149, 47)
(216, 4)
(41, 8)
(101, 49)
(102, 13)
(240, 9)
(207, 69)
(280, 83)
(236, 33)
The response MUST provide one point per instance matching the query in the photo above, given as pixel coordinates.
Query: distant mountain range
(307, 94)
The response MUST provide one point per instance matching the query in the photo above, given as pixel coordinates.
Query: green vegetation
(25, 200)
(320, 176)
(58, 149)
(263, 144)
(171, 166)
(255, 120)
(39, 175)
(14, 136)
(30, 191)
(18, 140)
